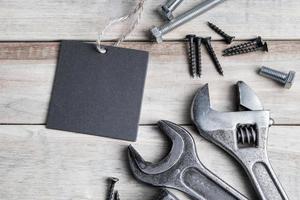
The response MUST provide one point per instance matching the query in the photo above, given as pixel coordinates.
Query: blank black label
(98, 94)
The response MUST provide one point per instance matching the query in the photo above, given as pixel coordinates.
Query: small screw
(112, 188)
(207, 42)
(117, 195)
(262, 47)
(198, 42)
(286, 79)
(192, 55)
(228, 38)
(256, 42)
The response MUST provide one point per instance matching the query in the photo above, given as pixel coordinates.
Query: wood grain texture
(75, 19)
(37, 163)
(27, 72)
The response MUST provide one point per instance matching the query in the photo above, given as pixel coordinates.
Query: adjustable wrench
(243, 135)
(181, 169)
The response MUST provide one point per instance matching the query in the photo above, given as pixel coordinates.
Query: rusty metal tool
(181, 169)
(243, 135)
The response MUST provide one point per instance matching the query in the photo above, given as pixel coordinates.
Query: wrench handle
(266, 182)
(202, 184)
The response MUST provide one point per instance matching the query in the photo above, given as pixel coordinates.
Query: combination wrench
(181, 169)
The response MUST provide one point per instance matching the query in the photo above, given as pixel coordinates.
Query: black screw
(228, 38)
(117, 195)
(112, 188)
(192, 55)
(207, 42)
(262, 47)
(198, 42)
(255, 42)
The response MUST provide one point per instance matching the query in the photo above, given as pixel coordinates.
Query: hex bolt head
(290, 79)
(156, 34)
(165, 12)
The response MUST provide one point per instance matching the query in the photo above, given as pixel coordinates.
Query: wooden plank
(56, 19)
(27, 71)
(37, 163)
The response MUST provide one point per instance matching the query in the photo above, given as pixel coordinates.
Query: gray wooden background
(36, 163)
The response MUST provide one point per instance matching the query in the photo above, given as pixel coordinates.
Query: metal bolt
(256, 42)
(192, 55)
(117, 195)
(198, 42)
(158, 32)
(112, 188)
(167, 9)
(207, 42)
(228, 38)
(286, 79)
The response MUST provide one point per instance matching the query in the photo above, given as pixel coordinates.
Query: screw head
(259, 41)
(290, 79)
(229, 39)
(114, 179)
(156, 34)
(190, 37)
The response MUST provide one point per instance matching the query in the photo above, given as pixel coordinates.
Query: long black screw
(256, 42)
(192, 55)
(262, 47)
(112, 188)
(228, 39)
(198, 42)
(207, 42)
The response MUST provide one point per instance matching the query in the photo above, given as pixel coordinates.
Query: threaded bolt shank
(286, 79)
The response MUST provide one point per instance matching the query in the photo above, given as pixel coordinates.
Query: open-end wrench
(181, 169)
(243, 135)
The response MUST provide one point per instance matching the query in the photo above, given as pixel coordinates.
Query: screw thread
(213, 56)
(227, 37)
(273, 74)
(192, 56)
(199, 60)
(240, 46)
(117, 195)
(243, 51)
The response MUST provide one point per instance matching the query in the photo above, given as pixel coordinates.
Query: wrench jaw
(165, 172)
(231, 130)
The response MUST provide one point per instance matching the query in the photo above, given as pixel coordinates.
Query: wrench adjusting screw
(192, 55)
(158, 32)
(212, 54)
(198, 43)
(252, 43)
(112, 188)
(167, 9)
(228, 39)
(286, 79)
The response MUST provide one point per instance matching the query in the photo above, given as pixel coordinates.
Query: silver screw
(286, 79)
(158, 32)
(112, 188)
(167, 9)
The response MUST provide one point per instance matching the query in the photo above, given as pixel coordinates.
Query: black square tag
(98, 94)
